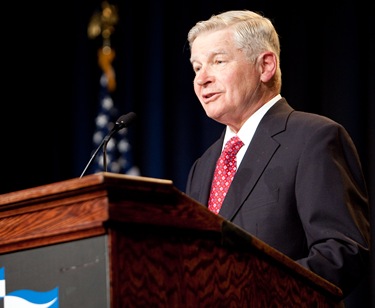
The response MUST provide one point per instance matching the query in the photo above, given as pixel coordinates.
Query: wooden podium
(109, 240)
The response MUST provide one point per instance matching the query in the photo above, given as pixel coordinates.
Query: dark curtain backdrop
(51, 81)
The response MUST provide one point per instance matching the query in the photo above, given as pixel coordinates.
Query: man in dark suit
(299, 185)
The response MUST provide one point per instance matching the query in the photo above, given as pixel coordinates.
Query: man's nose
(203, 77)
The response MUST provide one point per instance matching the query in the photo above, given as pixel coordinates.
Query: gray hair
(252, 33)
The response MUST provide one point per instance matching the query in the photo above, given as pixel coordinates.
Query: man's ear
(267, 63)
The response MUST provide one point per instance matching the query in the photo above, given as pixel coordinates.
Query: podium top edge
(93, 180)
(139, 178)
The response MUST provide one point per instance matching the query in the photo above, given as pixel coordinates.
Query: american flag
(119, 151)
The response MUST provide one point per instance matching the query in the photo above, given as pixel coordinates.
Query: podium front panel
(72, 274)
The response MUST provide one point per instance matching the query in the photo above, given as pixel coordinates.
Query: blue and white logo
(27, 298)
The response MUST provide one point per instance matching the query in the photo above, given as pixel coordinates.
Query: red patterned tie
(226, 167)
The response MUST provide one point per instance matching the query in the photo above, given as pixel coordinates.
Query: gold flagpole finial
(103, 23)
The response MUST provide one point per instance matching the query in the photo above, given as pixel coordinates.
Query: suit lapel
(210, 165)
(259, 153)
(207, 163)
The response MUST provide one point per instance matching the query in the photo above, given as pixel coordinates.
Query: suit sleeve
(333, 206)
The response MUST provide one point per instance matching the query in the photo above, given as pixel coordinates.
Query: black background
(51, 77)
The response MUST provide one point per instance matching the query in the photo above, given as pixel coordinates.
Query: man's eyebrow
(212, 53)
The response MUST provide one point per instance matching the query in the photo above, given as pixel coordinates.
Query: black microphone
(122, 122)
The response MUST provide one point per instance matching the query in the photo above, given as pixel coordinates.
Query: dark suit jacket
(301, 190)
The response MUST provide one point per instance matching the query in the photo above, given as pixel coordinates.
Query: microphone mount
(122, 122)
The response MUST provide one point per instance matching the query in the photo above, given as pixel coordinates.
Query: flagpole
(118, 157)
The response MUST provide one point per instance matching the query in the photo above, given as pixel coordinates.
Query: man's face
(225, 80)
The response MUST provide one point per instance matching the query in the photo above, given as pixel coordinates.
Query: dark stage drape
(50, 95)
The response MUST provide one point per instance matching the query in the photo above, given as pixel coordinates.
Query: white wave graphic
(2, 288)
(11, 301)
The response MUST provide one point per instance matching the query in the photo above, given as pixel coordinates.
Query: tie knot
(233, 145)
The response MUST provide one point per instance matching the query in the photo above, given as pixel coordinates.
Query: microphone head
(125, 120)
